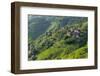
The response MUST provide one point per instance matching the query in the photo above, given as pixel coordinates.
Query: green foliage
(57, 38)
(79, 53)
(68, 52)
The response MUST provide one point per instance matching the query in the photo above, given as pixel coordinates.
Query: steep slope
(38, 24)
(60, 41)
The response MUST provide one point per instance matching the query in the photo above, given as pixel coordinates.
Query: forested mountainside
(57, 37)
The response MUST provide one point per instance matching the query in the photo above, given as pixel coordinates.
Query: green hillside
(55, 37)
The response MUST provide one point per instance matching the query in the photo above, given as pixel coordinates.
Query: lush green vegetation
(57, 37)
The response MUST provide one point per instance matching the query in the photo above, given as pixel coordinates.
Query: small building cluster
(73, 32)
